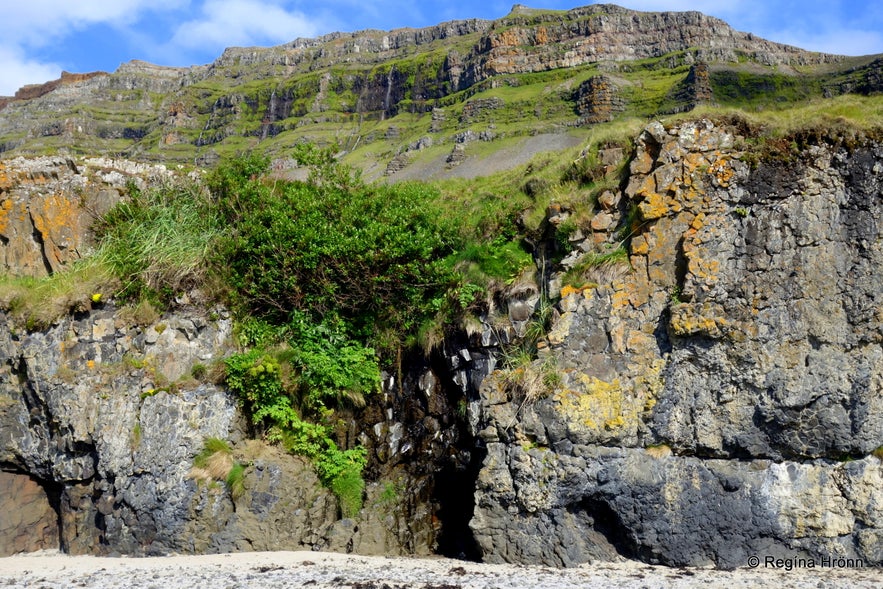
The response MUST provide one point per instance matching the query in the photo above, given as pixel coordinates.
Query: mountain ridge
(378, 94)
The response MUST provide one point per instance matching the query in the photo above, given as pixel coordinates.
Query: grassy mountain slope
(423, 102)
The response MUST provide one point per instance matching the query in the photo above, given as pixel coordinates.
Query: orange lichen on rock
(56, 218)
(722, 172)
(5, 207)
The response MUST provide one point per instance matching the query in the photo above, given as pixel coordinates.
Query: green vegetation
(216, 463)
(37, 303)
(158, 242)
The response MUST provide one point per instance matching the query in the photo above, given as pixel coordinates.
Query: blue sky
(43, 37)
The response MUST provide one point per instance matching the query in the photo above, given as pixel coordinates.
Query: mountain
(391, 100)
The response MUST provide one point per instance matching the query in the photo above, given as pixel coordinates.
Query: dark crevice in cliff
(53, 492)
(454, 483)
(454, 493)
(41, 244)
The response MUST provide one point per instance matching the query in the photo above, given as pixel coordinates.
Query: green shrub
(370, 255)
(235, 480)
(349, 487)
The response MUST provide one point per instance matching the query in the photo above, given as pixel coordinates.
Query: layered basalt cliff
(352, 81)
(716, 396)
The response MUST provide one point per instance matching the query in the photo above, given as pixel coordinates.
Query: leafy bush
(315, 371)
(369, 255)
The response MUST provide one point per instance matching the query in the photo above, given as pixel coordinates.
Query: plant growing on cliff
(369, 255)
(215, 462)
(278, 389)
(36, 303)
(159, 241)
(597, 267)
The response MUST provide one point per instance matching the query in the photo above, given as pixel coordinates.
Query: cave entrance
(454, 496)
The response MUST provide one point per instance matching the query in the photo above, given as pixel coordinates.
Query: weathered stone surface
(708, 394)
(598, 100)
(28, 521)
(48, 206)
(717, 396)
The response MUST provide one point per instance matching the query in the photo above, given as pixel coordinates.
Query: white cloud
(243, 22)
(17, 70)
(36, 22)
(29, 25)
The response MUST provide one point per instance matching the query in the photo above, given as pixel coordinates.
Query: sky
(43, 37)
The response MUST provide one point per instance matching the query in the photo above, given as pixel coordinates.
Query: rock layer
(717, 397)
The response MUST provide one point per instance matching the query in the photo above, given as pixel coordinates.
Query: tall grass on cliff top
(160, 240)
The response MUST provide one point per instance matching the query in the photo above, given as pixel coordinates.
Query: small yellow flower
(96, 298)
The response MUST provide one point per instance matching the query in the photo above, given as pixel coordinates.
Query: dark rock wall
(719, 396)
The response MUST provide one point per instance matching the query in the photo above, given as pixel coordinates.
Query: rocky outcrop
(48, 206)
(720, 394)
(28, 520)
(694, 90)
(715, 397)
(598, 100)
(36, 90)
(103, 417)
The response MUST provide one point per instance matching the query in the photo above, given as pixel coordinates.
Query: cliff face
(718, 396)
(721, 397)
(48, 206)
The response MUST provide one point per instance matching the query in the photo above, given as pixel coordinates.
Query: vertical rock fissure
(454, 494)
(41, 245)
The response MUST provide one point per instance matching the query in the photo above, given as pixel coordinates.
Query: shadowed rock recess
(718, 396)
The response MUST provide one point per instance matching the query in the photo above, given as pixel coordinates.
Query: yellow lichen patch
(56, 219)
(619, 300)
(600, 406)
(687, 319)
(5, 181)
(603, 407)
(722, 172)
(568, 290)
(90, 364)
(653, 206)
(561, 329)
(5, 207)
(640, 246)
(698, 222)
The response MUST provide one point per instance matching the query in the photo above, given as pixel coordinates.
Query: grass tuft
(37, 303)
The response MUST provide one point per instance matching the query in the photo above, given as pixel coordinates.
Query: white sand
(321, 570)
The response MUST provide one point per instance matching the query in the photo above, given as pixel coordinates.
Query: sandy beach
(319, 570)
